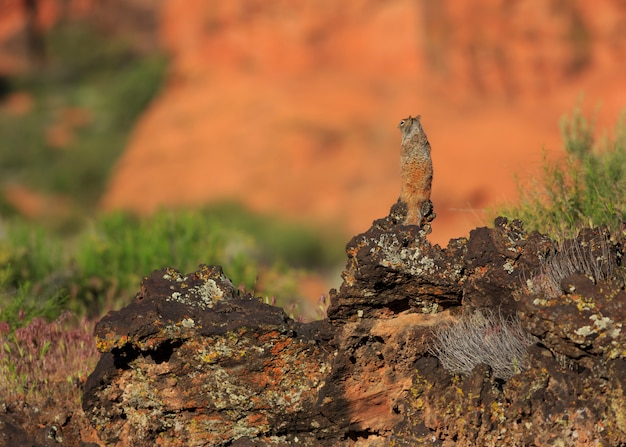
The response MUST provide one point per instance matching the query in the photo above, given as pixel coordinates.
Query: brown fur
(416, 170)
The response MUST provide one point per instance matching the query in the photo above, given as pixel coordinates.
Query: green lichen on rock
(202, 289)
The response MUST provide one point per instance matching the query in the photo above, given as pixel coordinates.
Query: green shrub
(295, 245)
(101, 268)
(31, 251)
(117, 250)
(19, 307)
(585, 189)
(92, 88)
(32, 273)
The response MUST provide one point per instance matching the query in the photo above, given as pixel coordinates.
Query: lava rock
(192, 361)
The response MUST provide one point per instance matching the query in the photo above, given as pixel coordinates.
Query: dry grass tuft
(484, 337)
(593, 258)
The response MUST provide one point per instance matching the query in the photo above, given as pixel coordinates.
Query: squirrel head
(410, 126)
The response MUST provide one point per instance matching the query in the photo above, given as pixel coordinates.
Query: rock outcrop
(193, 361)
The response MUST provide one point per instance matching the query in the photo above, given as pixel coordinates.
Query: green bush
(585, 189)
(117, 250)
(33, 273)
(295, 245)
(101, 268)
(19, 307)
(29, 252)
(91, 88)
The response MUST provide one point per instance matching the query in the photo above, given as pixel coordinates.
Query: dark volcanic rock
(393, 268)
(192, 361)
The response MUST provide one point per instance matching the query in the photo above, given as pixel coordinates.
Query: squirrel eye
(402, 123)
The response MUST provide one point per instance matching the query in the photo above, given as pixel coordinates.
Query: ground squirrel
(416, 170)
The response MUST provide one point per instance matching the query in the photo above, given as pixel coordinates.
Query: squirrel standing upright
(416, 170)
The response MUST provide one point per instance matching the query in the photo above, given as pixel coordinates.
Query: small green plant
(28, 252)
(117, 250)
(585, 189)
(483, 337)
(30, 266)
(18, 308)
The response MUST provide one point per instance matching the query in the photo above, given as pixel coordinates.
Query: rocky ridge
(192, 360)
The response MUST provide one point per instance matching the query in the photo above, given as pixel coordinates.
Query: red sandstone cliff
(292, 106)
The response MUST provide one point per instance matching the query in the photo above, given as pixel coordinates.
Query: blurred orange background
(291, 107)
